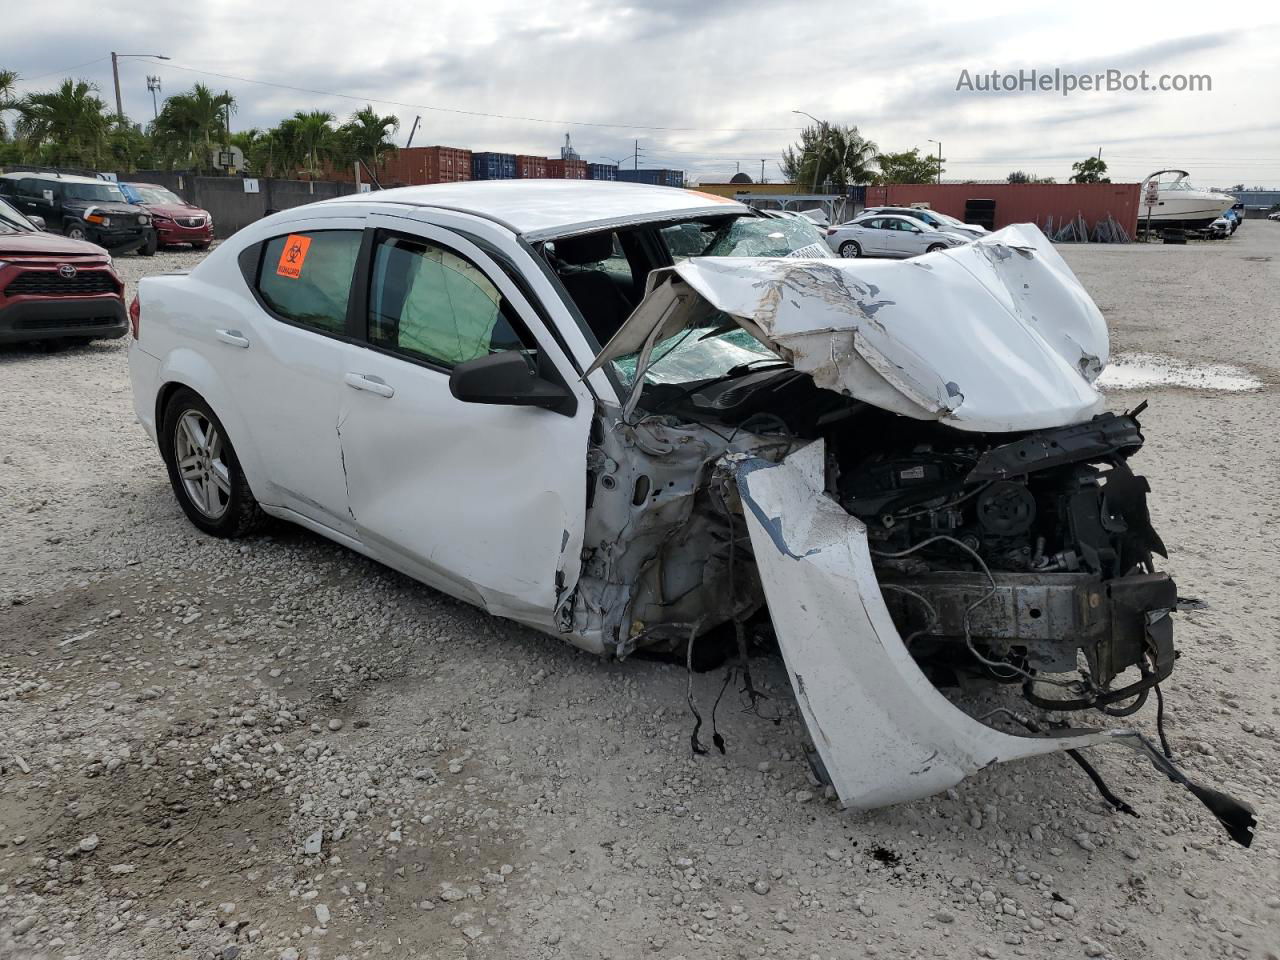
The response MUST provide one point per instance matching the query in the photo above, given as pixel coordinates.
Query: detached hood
(997, 335)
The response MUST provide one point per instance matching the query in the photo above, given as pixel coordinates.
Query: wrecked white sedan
(633, 417)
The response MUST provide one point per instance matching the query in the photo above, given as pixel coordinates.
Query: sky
(710, 86)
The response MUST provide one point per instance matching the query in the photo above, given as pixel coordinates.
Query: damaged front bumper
(884, 732)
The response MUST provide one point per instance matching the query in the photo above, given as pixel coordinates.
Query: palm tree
(315, 138)
(70, 121)
(837, 155)
(369, 135)
(191, 123)
(7, 80)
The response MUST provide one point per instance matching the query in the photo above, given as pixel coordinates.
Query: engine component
(1006, 509)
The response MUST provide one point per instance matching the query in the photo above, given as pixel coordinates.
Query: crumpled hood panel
(997, 335)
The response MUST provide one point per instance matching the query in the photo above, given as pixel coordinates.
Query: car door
(284, 358)
(484, 501)
(41, 198)
(904, 237)
(874, 237)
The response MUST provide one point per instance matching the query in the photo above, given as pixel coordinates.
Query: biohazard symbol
(293, 256)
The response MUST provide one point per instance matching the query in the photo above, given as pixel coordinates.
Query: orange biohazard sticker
(293, 256)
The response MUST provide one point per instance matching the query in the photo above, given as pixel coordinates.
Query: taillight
(135, 317)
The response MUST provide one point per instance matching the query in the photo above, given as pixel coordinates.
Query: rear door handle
(233, 337)
(370, 384)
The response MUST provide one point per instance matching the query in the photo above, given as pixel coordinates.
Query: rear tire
(850, 249)
(203, 469)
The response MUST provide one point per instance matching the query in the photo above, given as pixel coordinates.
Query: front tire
(149, 248)
(203, 469)
(75, 231)
(935, 247)
(850, 249)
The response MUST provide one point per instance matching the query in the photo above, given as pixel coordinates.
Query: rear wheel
(850, 249)
(75, 231)
(203, 469)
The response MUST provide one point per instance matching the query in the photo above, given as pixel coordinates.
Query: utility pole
(762, 171)
(153, 87)
(115, 76)
(635, 161)
(939, 143)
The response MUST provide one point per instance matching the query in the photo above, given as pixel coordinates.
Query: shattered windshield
(745, 237)
(11, 221)
(703, 352)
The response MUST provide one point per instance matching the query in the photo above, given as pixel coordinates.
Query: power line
(476, 113)
(63, 70)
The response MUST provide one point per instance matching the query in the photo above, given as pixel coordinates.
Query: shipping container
(528, 167)
(567, 168)
(493, 166)
(658, 177)
(420, 165)
(602, 171)
(1047, 205)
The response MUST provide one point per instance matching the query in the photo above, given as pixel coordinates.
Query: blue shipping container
(602, 171)
(493, 166)
(658, 177)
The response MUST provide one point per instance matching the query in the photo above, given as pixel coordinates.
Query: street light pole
(939, 143)
(115, 76)
(817, 157)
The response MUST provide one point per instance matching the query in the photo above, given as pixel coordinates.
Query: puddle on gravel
(1139, 370)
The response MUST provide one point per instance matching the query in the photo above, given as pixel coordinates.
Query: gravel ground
(278, 749)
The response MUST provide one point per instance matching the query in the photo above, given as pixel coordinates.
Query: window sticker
(293, 256)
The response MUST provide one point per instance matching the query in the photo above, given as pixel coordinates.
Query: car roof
(545, 209)
(63, 177)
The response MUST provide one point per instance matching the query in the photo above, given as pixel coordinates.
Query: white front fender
(884, 732)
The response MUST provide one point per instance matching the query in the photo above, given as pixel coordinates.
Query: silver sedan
(889, 236)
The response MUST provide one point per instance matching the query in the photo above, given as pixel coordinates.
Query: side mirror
(38, 221)
(506, 378)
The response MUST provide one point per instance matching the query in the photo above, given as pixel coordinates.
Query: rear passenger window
(431, 304)
(306, 277)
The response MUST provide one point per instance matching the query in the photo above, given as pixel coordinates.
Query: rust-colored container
(528, 167)
(1021, 202)
(569, 169)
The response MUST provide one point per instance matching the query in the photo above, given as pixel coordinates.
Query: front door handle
(369, 384)
(233, 337)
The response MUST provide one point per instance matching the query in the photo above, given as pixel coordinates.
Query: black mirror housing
(507, 378)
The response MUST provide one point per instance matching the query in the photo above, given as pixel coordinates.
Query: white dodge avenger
(636, 417)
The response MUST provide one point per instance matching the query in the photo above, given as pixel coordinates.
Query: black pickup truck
(82, 208)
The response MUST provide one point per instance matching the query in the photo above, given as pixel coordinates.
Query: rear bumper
(98, 318)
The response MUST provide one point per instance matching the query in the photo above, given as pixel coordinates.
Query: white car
(940, 221)
(515, 392)
(889, 235)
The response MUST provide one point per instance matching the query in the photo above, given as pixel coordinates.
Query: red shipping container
(566, 169)
(1021, 202)
(530, 167)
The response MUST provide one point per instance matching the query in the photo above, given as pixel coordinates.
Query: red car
(55, 288)
(175, 220)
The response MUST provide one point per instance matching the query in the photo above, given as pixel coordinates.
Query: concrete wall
(1021, 202)
(231, 207)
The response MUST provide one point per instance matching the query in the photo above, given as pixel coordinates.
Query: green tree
(832, 155)
(1020, 176)
(316, 140)
(191, 124)
(8, 78)
(1090, 170)
(908, 167)
(68, 125)
(369, 135)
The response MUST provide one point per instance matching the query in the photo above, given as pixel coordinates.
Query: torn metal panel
(883, 731)
(997, 335)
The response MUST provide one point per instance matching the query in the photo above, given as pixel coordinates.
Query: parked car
(1221, 228)
(883, 235)
(513, 392)
(82, 208)
(55, 288)
(939, 221)
(175, 220)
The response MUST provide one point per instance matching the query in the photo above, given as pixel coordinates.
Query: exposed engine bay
(905, 534)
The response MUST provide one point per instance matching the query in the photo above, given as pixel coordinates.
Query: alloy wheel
(198, 451)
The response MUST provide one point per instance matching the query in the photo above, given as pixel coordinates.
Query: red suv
(55, 288)
(175, 220)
